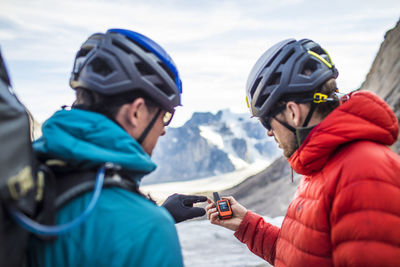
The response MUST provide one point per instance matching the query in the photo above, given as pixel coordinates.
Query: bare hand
(233, 223)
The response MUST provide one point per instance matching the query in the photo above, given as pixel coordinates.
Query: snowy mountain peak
(210, 144)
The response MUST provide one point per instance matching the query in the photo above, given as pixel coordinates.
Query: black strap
(65, 185)
(148, 128)
(289, 127)
(49, 196)
(73, 184)
(88, 185)
(310, 112)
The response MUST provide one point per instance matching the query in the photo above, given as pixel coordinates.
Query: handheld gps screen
(223, 207)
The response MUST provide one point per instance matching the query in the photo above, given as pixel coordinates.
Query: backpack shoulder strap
(65, 184)
(74, 184)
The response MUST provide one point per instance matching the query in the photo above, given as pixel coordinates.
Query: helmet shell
(281, 70)
(120, 61)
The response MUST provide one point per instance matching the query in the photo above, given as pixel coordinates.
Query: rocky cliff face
(384, 76)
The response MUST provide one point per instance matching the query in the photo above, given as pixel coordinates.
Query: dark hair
(328, 88)
(108, 105)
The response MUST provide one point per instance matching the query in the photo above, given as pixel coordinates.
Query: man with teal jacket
(127, 88)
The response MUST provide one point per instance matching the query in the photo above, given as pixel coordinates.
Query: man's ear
(130, 114)
(136, 110)
(293, 113)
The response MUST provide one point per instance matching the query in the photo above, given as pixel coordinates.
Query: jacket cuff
(249, 219)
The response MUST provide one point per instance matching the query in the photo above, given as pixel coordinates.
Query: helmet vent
(261, 100)
(253, 89)
(127, 50)
(287, 56)
(275, 78)
(309, 67)
(100, 67)
(163, 89)
(84, 51)
(144, 69)
(121, 46)
(167, 70)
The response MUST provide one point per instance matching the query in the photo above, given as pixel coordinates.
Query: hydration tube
(52, 230)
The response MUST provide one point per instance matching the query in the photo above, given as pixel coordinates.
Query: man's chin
(287, 153)
(148, 152)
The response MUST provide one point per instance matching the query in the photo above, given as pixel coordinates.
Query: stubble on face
(290, 147)
(285, 139)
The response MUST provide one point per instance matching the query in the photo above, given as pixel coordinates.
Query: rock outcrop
(384, 75)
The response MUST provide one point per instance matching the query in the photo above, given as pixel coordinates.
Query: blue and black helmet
(120, 61)
(288, 67)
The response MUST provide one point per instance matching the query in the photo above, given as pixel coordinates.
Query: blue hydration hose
(52, 230)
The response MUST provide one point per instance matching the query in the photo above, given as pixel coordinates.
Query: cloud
(213, 43)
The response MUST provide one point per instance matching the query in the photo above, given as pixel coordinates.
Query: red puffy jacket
(346, 211)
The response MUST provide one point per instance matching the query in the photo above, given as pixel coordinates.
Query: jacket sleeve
(259, 236)
(365, 219)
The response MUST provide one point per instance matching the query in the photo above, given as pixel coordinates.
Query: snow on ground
(205, 244)
(215, 183)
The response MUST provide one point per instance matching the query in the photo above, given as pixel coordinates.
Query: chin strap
(306, 121)
(310, 113)
(148, 128)
(299, 132)
(289, 127)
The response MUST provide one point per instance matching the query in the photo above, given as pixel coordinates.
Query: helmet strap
(149, 127)
(301, 133)
(289, 127)
(310, 113)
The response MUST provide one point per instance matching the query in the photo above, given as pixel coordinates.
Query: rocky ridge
(384, 75)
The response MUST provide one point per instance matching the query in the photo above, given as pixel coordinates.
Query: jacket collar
(87, 139)
(363, 117)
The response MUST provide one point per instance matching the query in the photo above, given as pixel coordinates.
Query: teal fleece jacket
(124, 229)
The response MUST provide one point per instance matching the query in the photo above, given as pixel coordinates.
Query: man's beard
(290, 147)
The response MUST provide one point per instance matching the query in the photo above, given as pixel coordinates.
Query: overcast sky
(213, 42)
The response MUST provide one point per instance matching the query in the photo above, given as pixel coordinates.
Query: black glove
(181, 207)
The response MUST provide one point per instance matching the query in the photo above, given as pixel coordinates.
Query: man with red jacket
(346, 211)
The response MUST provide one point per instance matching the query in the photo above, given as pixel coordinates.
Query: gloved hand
(181, 206)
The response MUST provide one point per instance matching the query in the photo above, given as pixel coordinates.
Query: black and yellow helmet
(288, 67)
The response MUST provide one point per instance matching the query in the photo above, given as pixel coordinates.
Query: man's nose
(163, 132)
(270, 132)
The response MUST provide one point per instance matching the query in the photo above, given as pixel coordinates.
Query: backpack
(21, 184)
(28, 191)
(30, 194)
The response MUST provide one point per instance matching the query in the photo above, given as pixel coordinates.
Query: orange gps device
(223, 207)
